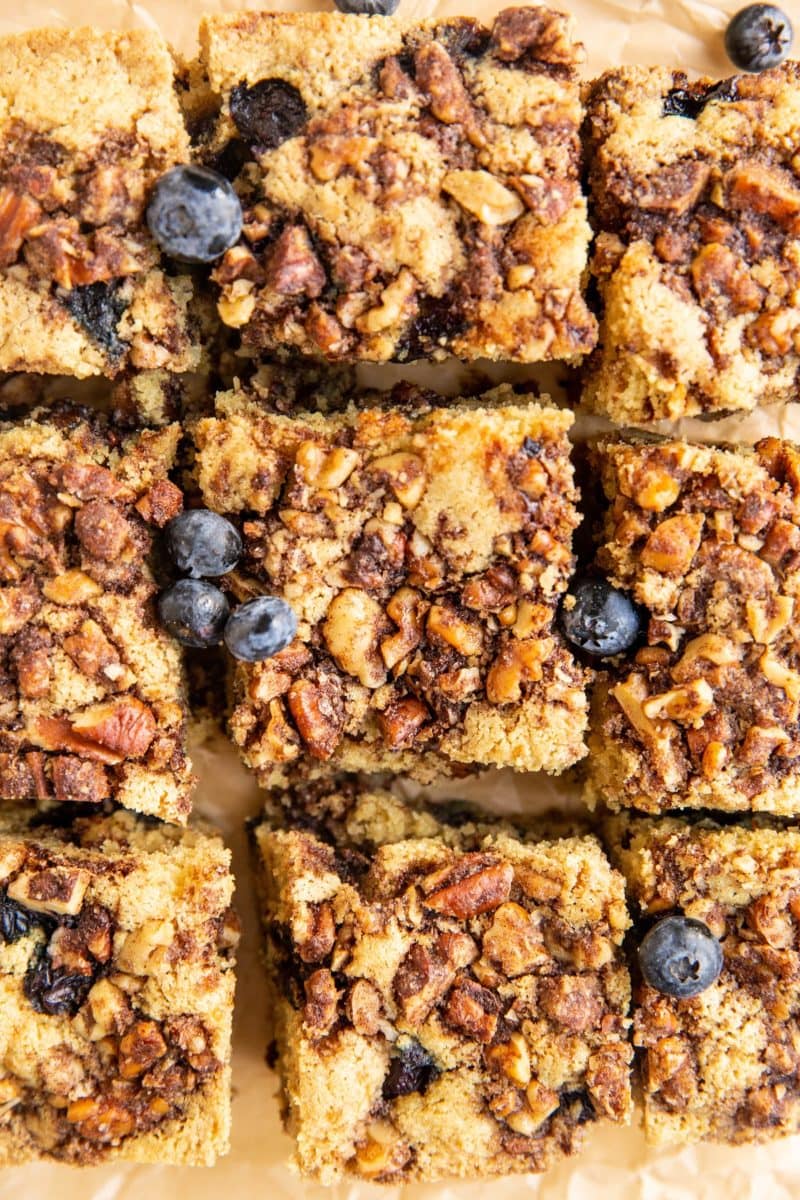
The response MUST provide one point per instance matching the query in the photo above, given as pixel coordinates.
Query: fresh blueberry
(260, 628)
(194, 214)
(602, 621)
(268, 113)
(203, 543)
(680, 957)
(368, 8)
(758, 37)
(194, 612)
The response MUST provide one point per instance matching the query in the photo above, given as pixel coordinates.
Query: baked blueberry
(202, 543)
(194, 214)
(599, 619)
(411, 1070)
(194, 612)
(268, 112)
(260, 628)
(368, 8)
(758, 37)
(98, 308)
(680, 957)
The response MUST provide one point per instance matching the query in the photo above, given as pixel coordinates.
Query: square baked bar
(88, 122)
(410, 190)
(447, 999)
(722, 1065)
(91, 690)
(424, 551)
(116, 991)
(706, 711)
(695, 192)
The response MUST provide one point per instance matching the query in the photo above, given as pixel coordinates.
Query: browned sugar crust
(724, 1065)
(697, 254)
(88, 122)
(705, 712)
(419, 190)
(424, 554)
(492, 959)
(116, 991)
(91, 691)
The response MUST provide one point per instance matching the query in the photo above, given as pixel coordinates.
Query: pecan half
(317, 713)
(292, 268)
(475, 883)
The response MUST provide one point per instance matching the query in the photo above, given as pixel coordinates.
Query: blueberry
(194, 214)
(603, 621)
(260, 628)
(268, 113)
(758, 37)
(368, 8)
(203, 543)
(412, 1070)
(98, 307)
(680, 957)
(690, 102)
(194, 612)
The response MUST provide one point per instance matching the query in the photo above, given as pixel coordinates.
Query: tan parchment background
(616, 1165)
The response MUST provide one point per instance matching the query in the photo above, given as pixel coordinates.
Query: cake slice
(411, 190)
(705, 711)
(92, 703)
(424, 548)
(695, 200)
(116, 991)
(448, 993)
(88, 123)
(723, 1064)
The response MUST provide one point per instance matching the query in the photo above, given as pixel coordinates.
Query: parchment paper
(616, 1164)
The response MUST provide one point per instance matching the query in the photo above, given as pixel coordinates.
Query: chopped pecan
(473, 1010)
(462, 633)
(320, 1012)
(139, 1049)
(125, 727)
(483, 196)
(717, 273)
(72, 587)
(438, 76)
(754, 187)
(364, 1008)
(406, 608)
(53, 890)
(292, 268)
(89, 482)
(333, 153)
(352, 630)
(673, 543)
(31, 656)
(514, 941)
(405, 475)
(315, 934)
(160, 504)
(475, 883)
(687, 705)
(535, 33)
(540, 1103)
(325, 466)
(102, 530)
(492, 591)
(673, 188)
(401, 721)
(18, 214)
(382, 1153)
(511, 1059)
(608, 1081)
(94, 654)
(17, 606)
(769, 919)
(422, 978)
(549, 199)
(317, 713)
(574, 1001)
(518, 661)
